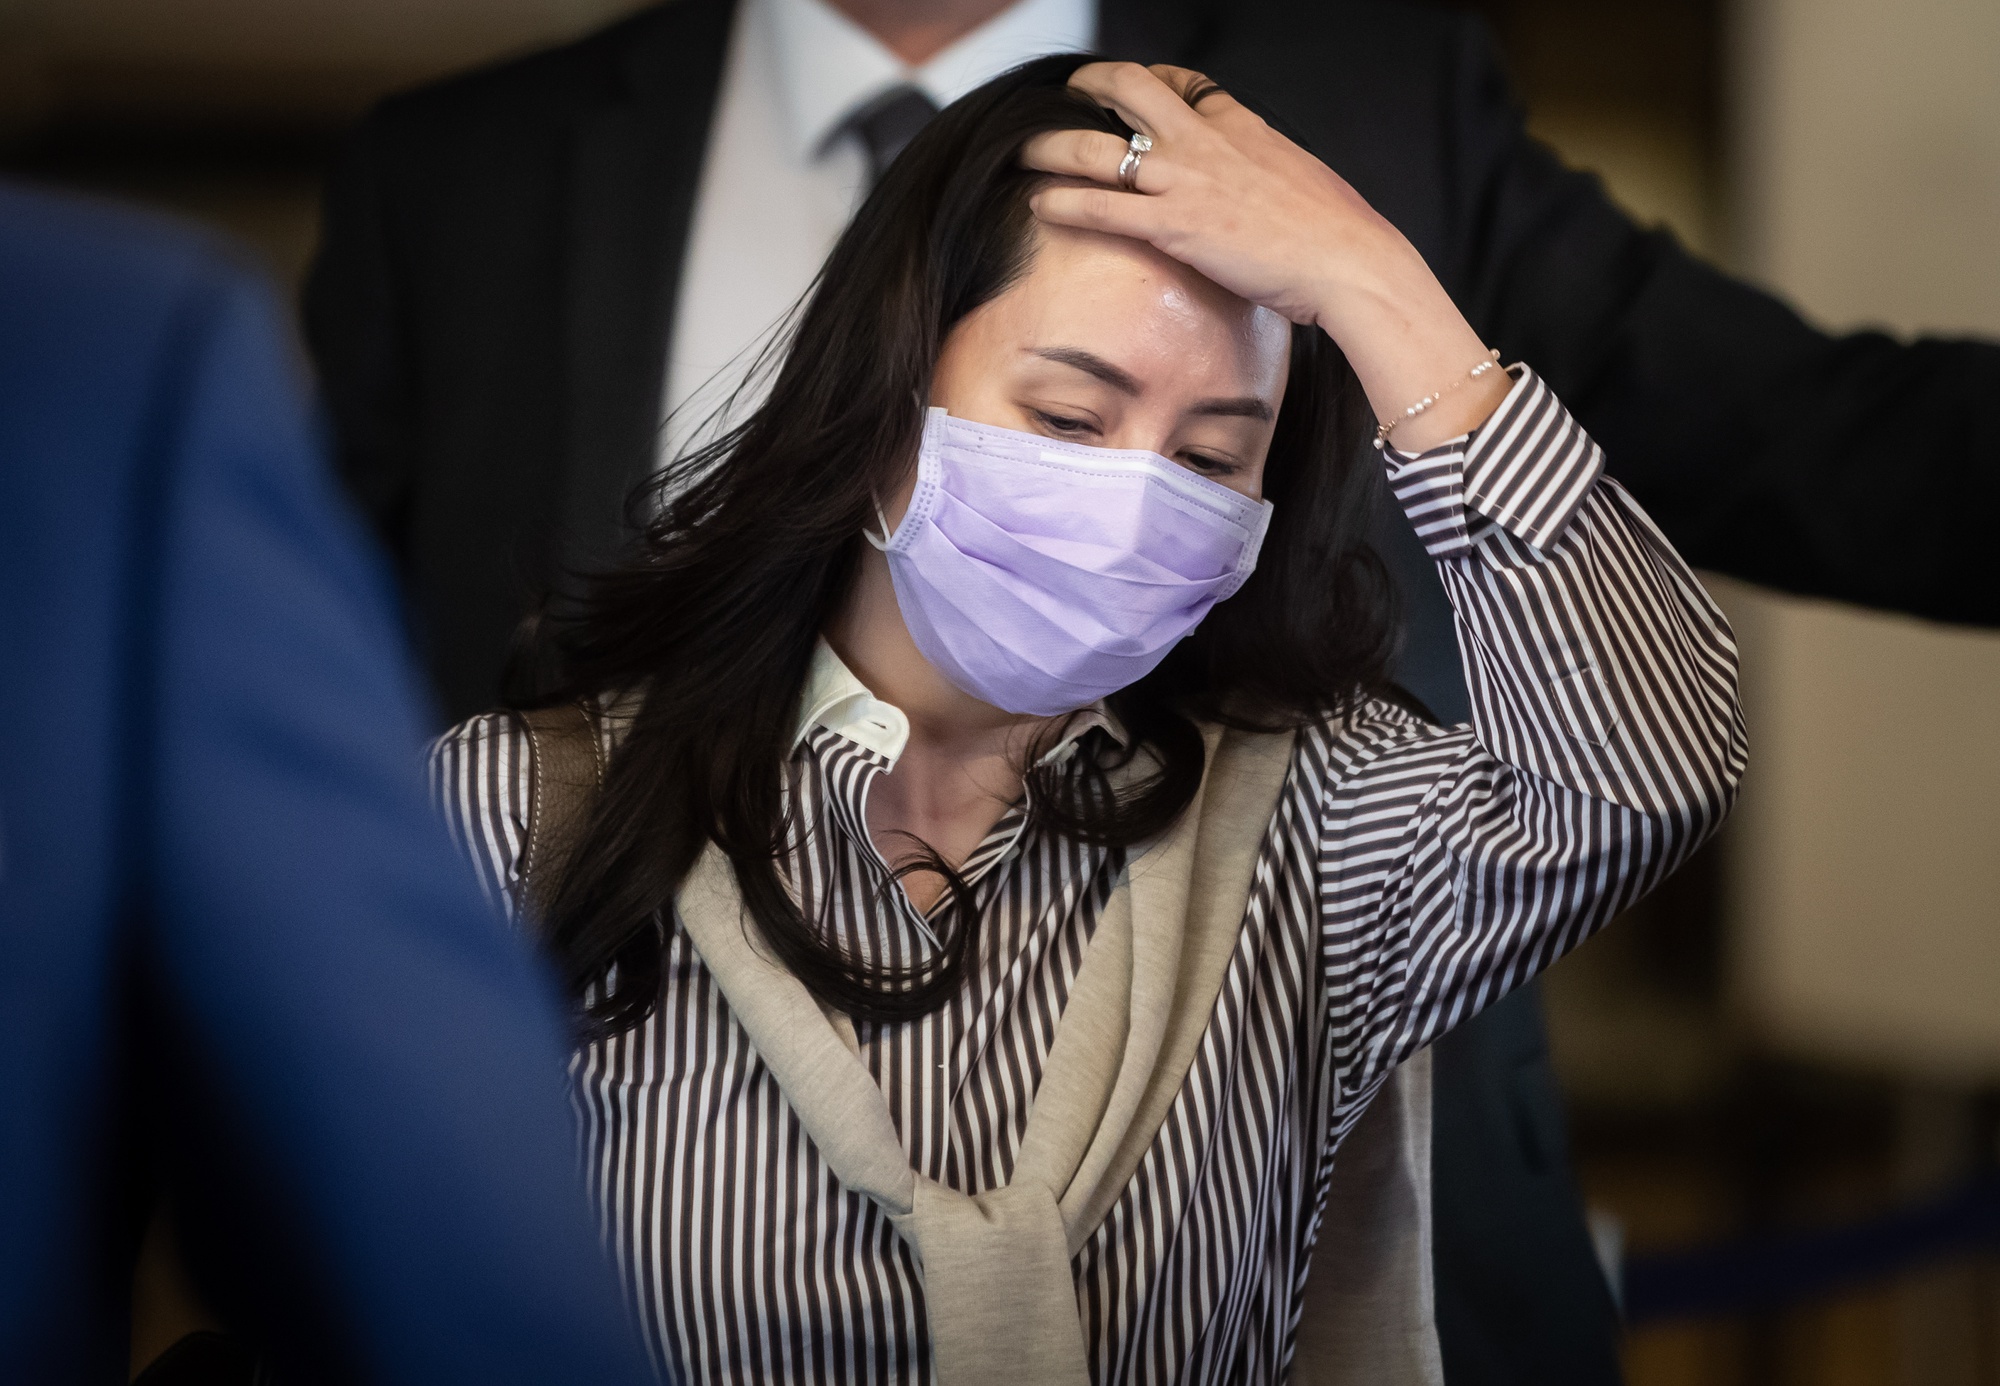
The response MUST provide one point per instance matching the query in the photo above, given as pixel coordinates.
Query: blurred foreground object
(1866, 888)
(239, 961)
(1868, 847)
(1865, 860)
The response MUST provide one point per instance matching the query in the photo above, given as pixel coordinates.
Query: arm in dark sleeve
(357, 332)
(1858, 468)
(375, 1056)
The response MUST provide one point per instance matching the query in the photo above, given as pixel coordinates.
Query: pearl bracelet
(1382, 431)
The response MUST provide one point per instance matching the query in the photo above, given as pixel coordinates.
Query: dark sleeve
(374, 1061)
(1520, 1293)
(1858, 468)
(356, 329)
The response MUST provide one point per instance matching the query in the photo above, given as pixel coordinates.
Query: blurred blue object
(1774, 1271)
(236, 948)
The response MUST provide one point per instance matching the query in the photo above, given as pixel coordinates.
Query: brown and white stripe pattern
(1411, 875)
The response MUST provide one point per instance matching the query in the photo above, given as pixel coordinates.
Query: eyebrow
(1090, 363)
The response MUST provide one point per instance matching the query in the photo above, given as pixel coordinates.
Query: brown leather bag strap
(565, 773)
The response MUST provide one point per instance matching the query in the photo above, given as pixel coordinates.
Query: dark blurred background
(1803, 1030)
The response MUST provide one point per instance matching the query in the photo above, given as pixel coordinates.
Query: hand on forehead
(1109, 342)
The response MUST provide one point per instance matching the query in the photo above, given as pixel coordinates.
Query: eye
(1061, 425)
(1208, 466)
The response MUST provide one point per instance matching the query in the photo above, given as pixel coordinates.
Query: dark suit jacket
(491, 309)
(490, 315)
(233, 935)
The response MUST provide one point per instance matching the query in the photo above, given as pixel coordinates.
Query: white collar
(829, 66)
(841, 703)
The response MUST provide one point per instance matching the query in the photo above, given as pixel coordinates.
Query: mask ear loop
(881, 519)
(887, 533)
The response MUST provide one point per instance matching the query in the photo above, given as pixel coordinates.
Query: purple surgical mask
(1039, 575)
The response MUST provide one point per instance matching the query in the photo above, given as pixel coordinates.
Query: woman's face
(1107, 342)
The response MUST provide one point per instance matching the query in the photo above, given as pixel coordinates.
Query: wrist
(1452, 412)
(1407, 342)
(1400, 331)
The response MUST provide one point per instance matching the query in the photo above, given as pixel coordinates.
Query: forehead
(1129, 303)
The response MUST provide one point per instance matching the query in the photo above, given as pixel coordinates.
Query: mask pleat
(1041, 577)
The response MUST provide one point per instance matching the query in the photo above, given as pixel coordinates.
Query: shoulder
(1390, 709)
(1376, 88)
(481, 778)
(490, 735)
(1319, 53)
(115, 322)
(547, 90)
(1379, 733)
(82, 276)
(478, 165)
(1413, 22)
(488, 728)
(482, 770)
(1377, 717)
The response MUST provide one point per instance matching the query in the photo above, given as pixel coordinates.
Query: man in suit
(241, 966)
(526, 268)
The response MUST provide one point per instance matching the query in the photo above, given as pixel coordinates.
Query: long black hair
(749, 547)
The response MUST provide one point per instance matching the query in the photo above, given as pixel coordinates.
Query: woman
(986, 947)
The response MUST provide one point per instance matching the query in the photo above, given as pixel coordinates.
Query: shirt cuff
(1527, 468)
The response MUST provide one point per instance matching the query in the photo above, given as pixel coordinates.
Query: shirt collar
(828, 66)
(841, 703)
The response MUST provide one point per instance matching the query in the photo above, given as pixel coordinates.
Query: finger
(1099, 209)
(1140, 98)
(1201, 93)
(1093, 154)
(1193, 88)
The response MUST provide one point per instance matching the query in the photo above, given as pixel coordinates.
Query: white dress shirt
(780, 178)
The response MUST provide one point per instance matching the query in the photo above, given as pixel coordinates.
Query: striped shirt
(1411, 874)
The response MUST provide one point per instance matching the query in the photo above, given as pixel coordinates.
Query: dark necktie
(888, 123)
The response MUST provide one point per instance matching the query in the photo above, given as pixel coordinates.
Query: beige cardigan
(996, 1266)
